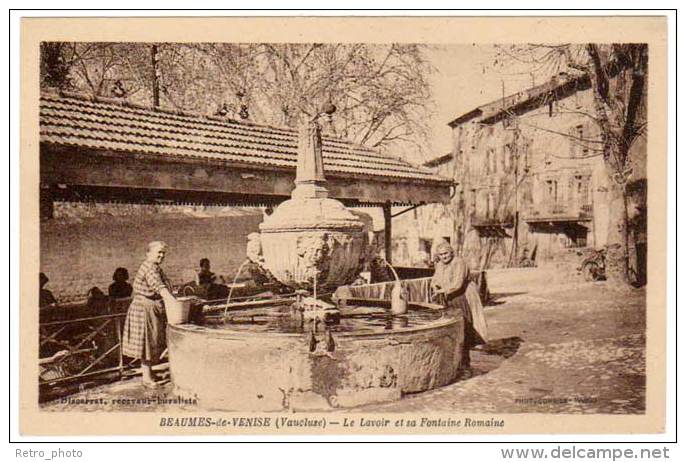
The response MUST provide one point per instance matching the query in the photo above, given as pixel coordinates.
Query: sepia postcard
(343, 225)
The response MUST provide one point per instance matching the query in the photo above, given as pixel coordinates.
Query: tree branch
(599, 71)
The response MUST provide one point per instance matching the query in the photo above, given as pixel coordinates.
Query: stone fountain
(303, 353)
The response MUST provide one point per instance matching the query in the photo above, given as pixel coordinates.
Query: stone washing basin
(260, 361)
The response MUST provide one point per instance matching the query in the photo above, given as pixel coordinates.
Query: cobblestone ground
(592, 376)
(569, 348)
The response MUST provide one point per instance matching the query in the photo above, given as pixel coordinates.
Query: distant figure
(206, 285)
(120, 288)
(97, 300)
(379, 270)
(45, 297)
(359, 281)
(205, 276)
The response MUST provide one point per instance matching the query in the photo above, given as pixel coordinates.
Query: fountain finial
(310, 182)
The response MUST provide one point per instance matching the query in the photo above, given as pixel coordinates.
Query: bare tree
(95, 67)
(381, 92)
(617, 74)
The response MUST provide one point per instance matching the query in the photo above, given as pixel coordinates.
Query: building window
(579, 146)
(584, 149)
(551, 191)
(526, 193)
(575, 236)
(506, 160)
(491, 161)
(575, 142)
(425, 245)
(575, 241)
(581, 189)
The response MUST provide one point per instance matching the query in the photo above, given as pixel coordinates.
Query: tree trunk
(617, 258)
(155, 77)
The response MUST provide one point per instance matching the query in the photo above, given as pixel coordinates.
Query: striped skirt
(144, 329)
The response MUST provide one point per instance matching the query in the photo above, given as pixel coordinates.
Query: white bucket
(177, 312)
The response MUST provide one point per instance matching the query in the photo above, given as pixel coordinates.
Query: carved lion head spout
(313, 256)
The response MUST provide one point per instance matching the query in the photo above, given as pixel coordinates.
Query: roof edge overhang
(119, 172)
(524, 101)
(440, 160)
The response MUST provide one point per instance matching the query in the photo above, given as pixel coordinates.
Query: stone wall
(79, 253)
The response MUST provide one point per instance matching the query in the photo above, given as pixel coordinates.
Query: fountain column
(309, 177)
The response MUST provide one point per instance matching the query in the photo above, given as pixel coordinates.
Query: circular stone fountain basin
(264, 360)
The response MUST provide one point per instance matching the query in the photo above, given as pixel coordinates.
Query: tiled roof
(559, 87)
(112, 125)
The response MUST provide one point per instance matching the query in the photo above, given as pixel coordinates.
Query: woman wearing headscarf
(450, 285)
(144, 330)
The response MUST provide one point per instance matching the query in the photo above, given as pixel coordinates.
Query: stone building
(530, 178)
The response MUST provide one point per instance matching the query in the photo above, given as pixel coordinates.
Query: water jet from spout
(233, 284)
(398, 295)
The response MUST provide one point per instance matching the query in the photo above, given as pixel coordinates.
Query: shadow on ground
(500, 298)
(505, 347)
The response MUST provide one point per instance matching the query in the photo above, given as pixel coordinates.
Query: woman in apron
(144, 330)
(451, 286)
